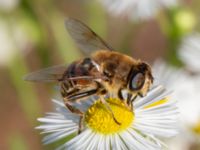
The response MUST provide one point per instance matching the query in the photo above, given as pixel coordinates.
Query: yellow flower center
(100, 119)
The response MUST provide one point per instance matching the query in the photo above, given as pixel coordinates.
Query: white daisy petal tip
(137, 10)
(152, 116)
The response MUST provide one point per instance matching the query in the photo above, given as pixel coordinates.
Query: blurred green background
(33, 36)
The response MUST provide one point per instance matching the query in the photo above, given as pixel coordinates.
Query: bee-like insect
(104, 71)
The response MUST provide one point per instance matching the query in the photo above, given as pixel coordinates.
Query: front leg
(109, 109)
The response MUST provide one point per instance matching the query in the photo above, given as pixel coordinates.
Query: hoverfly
(104, 71)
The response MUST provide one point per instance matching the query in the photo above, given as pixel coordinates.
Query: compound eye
(137, 81)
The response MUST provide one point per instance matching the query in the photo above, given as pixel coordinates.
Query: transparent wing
(51, 74)
(87, 40)
(55, 74)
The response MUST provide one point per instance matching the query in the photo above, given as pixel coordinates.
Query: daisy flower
(152, 117)
(189, 52)
(137, 9)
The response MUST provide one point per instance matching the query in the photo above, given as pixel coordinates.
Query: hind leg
(76, 96)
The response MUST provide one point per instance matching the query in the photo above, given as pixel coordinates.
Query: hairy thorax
(114, 65)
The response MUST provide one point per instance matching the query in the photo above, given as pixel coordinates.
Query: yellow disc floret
(100, 119)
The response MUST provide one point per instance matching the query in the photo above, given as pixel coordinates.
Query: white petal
(137, 10)
(144, 141)
(57, 136)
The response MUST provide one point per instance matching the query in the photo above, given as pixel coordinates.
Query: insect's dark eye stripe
(130, 75)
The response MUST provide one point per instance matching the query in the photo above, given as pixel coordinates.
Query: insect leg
(109, 109)
(66, 90)
(73, 109)
(129, 98)
(75, 97)
(76, 111)
(80, 125)
(131, 102)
